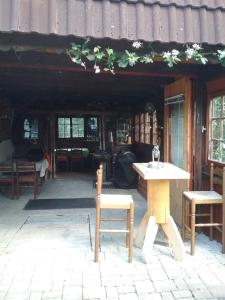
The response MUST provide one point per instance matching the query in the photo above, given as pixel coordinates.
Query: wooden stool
(192, 199)
(121, 202)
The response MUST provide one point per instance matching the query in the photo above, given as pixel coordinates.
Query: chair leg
(35, 187)
(193, 209)
(97, 234)
(211, 221)
(18, 189)
(131, 230)
(223, 227)
(13, 188)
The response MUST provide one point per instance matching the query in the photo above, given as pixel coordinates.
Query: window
(78, 127)
(64, 128)
(217, 129)
(30, 128)
(145, 128)
(70, 127)
(123, 131)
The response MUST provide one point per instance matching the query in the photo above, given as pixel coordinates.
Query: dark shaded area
(60, 203)
(125, 176)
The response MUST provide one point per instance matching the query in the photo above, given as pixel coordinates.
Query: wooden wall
(6, 146)
(181, 86)
(5, 120)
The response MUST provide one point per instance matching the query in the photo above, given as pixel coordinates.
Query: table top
(157, 171)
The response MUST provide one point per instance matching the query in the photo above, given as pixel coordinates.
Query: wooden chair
(26, 175)
(76, 158)
(7, 177)
(62, 159)
(193, 199)
(113, 202)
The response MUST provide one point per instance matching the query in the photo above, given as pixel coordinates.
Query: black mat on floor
(60, 203)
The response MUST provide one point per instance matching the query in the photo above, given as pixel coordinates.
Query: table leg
(150, 236)
(141, 231)
(174, 238)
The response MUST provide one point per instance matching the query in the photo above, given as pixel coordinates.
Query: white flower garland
(107, 59)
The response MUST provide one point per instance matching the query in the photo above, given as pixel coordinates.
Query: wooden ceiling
(50, 81)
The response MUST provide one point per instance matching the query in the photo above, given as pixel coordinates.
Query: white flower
(137, 44)
(189, 53)
(175, 52)
(196, 47)
(97, 69)
(166, 54)
(221, 54)
(74, 60)
(83, 65)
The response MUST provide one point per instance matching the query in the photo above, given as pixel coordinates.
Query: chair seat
(115, 201)
(203, 196)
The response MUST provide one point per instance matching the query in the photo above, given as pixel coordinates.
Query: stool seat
(205, 196)
(115, 201)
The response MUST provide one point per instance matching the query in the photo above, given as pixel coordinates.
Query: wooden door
(178, 138)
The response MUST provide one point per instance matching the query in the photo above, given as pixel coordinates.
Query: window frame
(212, 96)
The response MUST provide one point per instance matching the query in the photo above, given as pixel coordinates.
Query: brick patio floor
(48, 254)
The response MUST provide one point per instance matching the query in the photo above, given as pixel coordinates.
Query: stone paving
(48, 254)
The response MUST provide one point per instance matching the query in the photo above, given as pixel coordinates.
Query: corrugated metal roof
(210, 4)
(181, 21)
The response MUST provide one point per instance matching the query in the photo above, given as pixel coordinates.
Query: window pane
(61, 134)
(27, 134)
(215, 150)
(177, 123)
(223, 151)
(77, 127)
(67, 121)
(217, 107)
(60, 120)
(30, 129)
(92, 129)
(216, 129)
(64, 128)
(61, 127)
(223, 129)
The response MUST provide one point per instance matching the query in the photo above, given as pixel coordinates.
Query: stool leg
(97, 233)
(183, 216)
(128, 229)
(131, 229)
(211, 221)
(193, 209)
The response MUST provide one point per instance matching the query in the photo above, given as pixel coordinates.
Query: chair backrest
(6, 167)
(99, 173)
(223, 185)
(211, 177)
(76, 154)
(25, 166)
(62, 155)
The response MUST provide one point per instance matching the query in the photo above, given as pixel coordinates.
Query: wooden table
(158, 177)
